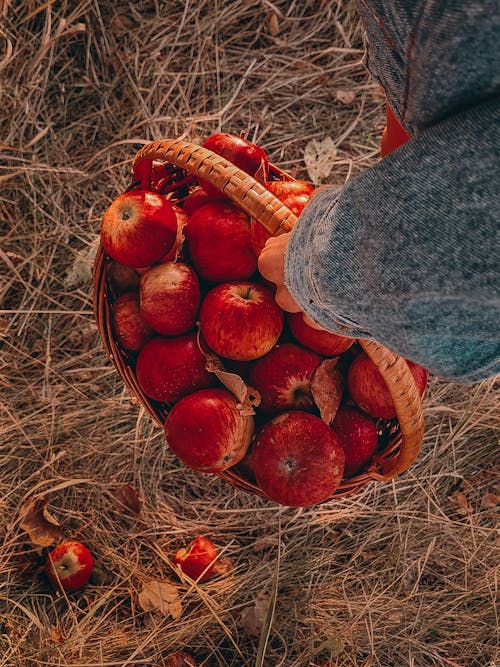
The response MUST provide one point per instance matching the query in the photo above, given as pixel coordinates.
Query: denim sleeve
(408, 252)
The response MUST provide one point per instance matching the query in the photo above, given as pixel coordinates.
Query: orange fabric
(394, 134)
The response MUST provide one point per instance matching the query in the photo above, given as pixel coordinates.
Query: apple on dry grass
(169, 368)
(358, 438)
(283, 378)
(130, 329)
(208, 431)
(323, 342)
(369, 391)
(239, 151)
(138, 228)
(170, 298)
(297, 459)
(69, 566)
(218, 240)
(197, 561)
(241, 320)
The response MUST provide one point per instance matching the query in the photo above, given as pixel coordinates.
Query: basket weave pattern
(404, 439)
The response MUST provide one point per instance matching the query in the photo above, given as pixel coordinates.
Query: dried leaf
(254, 616)
(81, 271)
(40, 525)
(490, 500)
(57, 636)
(248, 397)
(459, 501)
(123, 23)
(345, 96)
(272, 23)
(223, 566)
(162, 597)
(15, 258)
(327, 387)
(127, 499)
(319, 158)
(180, 659)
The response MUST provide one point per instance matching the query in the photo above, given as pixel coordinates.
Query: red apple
(169, 368)
(369, 391)
(283, 378)
(294, 194)
(241, 320)
(196, 199)
(69, 566)
(122, 278)
(218, 237)
(320, 341)
(358, 438)
(197, 560)
(240, 152)
(208, 431)
(138, 228)
(131, 331)
(176, 249)
(298, 460)
(170, 298)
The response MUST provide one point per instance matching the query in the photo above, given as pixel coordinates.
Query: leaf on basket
(248, 397)
(327, 387)
(41, 526)
(319, 158)
(254, 616)
(161, 597)
(126, 499)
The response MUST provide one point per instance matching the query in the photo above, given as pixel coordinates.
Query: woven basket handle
(276, 218)
(236, 184)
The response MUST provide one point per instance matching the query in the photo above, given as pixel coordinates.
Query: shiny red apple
(169, 368)
(323, 342)
(240, 152)
(170, 298)
(218, 238)
(138, 228)
(208, 431)
(369, 390)
(283, 378)
(241, 320)
(197, 561)
(297, 459)
(69, 566)
(358, 438)
(122, 278)
(294, 194)
(130, 329)
(196, 199)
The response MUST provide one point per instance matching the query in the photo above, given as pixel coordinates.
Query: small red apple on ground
(358, 438)
(320, 341)
(283, 378)
(169, 368)
(240, 152)
(197, 561)
(294, 194)
(241, 320)
(218, 238)
(170, 298)
(208, 431)
(369, 391)
(69, 566)
(297, 459)
(131, 331)
(138, 228)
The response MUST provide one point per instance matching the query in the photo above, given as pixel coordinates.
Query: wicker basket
(402, 438)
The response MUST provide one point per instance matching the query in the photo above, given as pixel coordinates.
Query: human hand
(272, 267)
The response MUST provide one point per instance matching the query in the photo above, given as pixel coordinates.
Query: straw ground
(401, 574)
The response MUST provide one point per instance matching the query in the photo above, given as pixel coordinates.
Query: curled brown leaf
(36, 520)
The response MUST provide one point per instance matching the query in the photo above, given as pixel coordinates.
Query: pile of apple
(186, 289)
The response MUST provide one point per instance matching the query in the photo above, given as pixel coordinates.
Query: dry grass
(402, 574)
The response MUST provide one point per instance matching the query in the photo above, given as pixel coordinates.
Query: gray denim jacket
(408, 252)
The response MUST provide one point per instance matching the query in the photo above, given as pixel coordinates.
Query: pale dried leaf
(254, 616)
(248, 397)
(490, 500)
(41, 526)
(459, 501)
(327, 387)
(223, 566)
(272, 23)
(345, 96)
(161, 597)
(127, 499)
(81, 271)
(319, 158)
